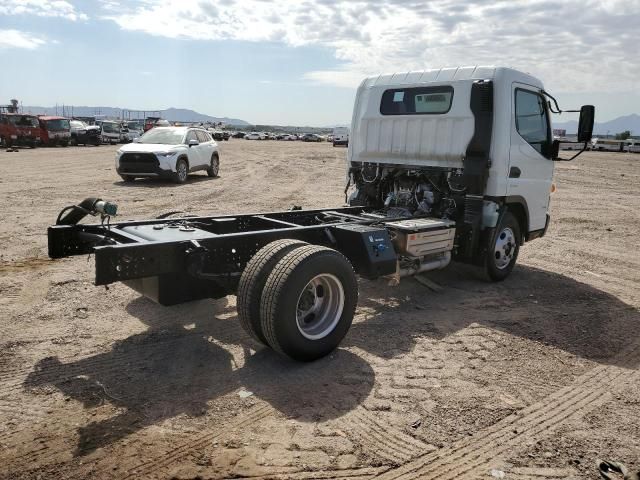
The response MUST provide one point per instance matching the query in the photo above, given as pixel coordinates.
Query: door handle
(514, 172)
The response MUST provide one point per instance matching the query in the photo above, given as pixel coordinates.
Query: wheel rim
(320, 306)
(215, 165)
(505, 248)
(182, 171)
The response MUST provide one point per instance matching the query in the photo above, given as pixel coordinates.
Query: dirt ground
(532, 378)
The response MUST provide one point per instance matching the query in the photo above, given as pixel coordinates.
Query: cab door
(195, 151)
(530, 162)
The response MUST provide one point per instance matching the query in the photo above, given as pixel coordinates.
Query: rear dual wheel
(308, 295)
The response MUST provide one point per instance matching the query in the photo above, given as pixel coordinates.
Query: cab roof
(444, 75)
(51, 117)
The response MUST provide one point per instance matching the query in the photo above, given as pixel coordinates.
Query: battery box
(368, 248)
(423, 236)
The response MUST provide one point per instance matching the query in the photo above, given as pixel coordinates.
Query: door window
(202, 137)
(532, 121)
(191, 136)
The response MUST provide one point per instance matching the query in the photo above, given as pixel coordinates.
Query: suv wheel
(214, 166)
(182, 171)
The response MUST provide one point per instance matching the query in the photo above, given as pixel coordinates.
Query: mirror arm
(558, 159)
(557, 110)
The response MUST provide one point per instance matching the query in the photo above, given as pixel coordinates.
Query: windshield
(23, 121)
(110, 127)
(57, 125)
(165, 137)
(134, 126)
(77, 124)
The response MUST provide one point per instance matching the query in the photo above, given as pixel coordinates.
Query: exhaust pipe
(434, 264)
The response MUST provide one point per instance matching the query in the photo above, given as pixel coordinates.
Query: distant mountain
(617, 125)
(171, 114)
(184, 115)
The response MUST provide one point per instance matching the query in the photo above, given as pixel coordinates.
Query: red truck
(17, 129)
(54, 130)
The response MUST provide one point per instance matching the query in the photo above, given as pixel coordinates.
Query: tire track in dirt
(385, 442)
(470, 456)
(197, 442)
(353, 474)
(526, 473)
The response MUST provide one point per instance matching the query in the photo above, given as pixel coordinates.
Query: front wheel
(502, 248)
(127, 178)
(214, 166)
(308, 302)
(182, 171)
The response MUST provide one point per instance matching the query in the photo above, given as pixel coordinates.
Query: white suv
(169, 152)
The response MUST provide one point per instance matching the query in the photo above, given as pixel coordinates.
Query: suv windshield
(166, 137)
(77, 124)
(57, 125)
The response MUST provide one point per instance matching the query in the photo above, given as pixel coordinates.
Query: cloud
(41, 8)
(18, 39)
(573, 44)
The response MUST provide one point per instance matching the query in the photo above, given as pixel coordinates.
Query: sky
(299, 62)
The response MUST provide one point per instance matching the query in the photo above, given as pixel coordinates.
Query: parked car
(341, 136)
(255, 136)
(218, 135)
(311, 137)
(114, 132)
(54, 130)
(633, 146)
(19, 129)
(84, 134)
(169, 152)
(151, 122)
(238, 135)
(136, 129)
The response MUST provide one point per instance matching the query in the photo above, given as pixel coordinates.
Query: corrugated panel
(446, 74)
(413, 77)
(465, 73)
(429, 75)
(436, 75)
(434, 139)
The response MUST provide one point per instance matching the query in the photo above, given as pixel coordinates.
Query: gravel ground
(532, 378)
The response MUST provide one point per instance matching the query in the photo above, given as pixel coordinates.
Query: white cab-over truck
(451, 164)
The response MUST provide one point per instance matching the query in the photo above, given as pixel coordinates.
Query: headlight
(118, 152)
(164, 154)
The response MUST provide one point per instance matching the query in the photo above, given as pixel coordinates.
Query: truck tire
(308, 302)
(182, 171)
(127, 178)
(502, 248)
(252, 283)
(214, 166)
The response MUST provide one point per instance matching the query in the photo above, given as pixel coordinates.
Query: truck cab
(473, 145)
(19, 129)
(54, 130)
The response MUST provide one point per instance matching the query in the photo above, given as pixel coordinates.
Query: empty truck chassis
(442, 164)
